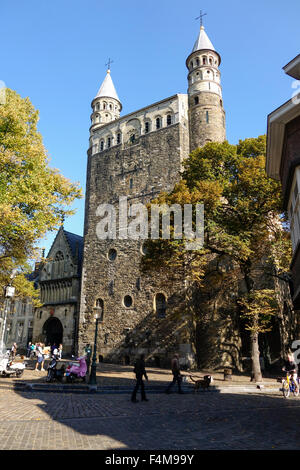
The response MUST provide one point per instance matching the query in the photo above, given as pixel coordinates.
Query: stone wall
(66, 314)
(206, 119)
(139, 171)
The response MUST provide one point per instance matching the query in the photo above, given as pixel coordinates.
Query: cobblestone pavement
(207, 420)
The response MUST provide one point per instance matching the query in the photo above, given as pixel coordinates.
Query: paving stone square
(221, 420)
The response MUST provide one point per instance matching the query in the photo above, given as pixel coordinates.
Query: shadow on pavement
(203, 420)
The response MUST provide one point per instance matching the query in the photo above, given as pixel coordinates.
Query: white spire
(203, 42)
(107, 88)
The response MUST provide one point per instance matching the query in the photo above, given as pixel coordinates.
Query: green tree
(33, 196)
(243, 224)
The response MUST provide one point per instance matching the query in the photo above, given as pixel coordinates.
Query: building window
(204, 60)
(296, 192)
(196, 100)
(118, 138)
(108, 142)
(144, 249)
(99, 309)
(127, 301)
(131, 183)
(197, 61)
(169, 120)
(147, 127)
(160, 305)
(112, 254)
(207, 117)
(101, 145)
(158, 123)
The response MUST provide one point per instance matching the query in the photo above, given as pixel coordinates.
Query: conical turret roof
(107, 88)
(203, 42)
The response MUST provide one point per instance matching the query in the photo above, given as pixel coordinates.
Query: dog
(204, 383)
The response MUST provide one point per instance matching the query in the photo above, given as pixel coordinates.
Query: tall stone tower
(206, 112)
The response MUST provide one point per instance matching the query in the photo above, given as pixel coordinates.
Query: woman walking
(40, 357)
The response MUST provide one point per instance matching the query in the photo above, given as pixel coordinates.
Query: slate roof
(203, 42)
(76, 244)
(107, 88)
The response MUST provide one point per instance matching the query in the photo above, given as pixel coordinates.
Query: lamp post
(93, 377)
(9, 292)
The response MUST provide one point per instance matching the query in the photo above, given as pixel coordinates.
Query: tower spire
(206, 113)
(106, 104)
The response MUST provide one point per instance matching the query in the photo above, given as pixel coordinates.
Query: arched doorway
(53, 331)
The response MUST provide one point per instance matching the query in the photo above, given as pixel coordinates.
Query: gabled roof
(76, 245)
(293, 67)
(107, 88)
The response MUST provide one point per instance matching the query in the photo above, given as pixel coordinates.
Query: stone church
(138, 156)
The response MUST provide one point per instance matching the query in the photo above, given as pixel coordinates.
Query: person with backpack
(140, 372)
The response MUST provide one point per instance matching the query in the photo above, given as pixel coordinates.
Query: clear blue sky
(55, 52)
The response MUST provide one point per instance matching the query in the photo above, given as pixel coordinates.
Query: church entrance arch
(53, 331)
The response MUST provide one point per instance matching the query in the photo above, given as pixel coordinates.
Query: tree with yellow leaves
(243, 224)
(33, 196)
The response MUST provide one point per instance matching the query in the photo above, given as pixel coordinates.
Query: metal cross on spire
(108, 63)
(201, 17)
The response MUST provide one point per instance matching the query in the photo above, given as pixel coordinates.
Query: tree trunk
(256, 371)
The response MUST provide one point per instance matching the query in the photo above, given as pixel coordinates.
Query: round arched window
(112, 254)
(144, 249)
(128, 301)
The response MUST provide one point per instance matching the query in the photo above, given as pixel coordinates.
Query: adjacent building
(283, 163)
(59, 283)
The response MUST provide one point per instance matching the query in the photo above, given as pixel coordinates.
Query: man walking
(176, 375)
(140, 371)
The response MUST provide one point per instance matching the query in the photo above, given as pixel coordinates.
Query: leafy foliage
(244, 222)
(33, 196)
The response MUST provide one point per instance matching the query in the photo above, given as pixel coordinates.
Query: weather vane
(201, 17)
(108, 63)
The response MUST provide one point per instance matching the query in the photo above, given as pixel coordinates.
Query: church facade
(59, 280)
(137, 156)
